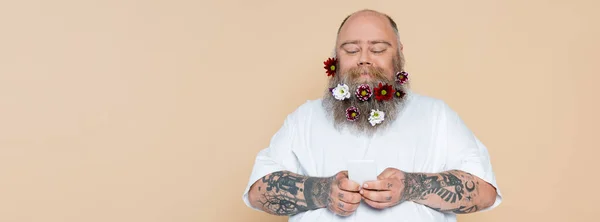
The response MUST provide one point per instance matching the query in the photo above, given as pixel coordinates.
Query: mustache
(355, 72)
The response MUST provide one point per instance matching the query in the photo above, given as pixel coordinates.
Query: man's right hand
(344, 197)
(287, 193)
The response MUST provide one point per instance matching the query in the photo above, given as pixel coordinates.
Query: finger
(341, 175)
(352, 207)
(379, 185)
(343, 213)
(349, 197)
(346, 207)
(348, 185)
(377, 205)
(340, 212)
(377, 196)
(387, 173)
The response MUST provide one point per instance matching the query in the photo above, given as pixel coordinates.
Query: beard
(336, 109)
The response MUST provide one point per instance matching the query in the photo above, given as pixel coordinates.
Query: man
(431, 166)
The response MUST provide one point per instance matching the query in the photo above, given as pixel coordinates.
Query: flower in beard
(399, 93)
(363, 92)
(341, 92)
(376, 117)
(352, 113)
(330, 66)
(384, 92)
(401, 77)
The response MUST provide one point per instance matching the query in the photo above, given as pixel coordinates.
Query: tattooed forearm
(446, 185)
(281, 193)
(452, 191)
(286, 193)
(317, 192)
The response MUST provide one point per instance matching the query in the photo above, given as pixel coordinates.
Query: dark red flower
(352, 113)
(399, 93)
(384, 92)
(363, 92)
(401, 77)
(330, 66)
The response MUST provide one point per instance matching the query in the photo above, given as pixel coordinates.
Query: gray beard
(336, 109)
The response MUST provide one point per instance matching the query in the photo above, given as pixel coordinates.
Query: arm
(283, 193)
(450, 191)
(287, 193)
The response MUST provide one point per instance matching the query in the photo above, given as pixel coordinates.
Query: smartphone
(361, 171)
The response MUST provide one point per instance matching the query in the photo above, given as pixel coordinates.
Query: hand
(386, 191)
(344, 197)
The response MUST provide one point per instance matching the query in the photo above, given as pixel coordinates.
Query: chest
(407, 145)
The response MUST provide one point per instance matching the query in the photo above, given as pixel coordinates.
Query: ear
(401, 47)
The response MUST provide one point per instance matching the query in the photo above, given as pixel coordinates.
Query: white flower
(341, 92)
(376, 117)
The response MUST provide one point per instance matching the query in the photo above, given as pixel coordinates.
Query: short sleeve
(278, 156)
(467, 153)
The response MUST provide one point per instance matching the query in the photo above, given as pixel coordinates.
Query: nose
(362, 63)
(364, 59)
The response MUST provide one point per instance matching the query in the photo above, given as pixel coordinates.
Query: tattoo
(341, 205)
(464, 210)
(388, 198)
(283, 181)
(281, 194)
(460, 210)
(341, 195)
(451, 186)
(420, 185)
(470, 189)
(389, 185)
(317, 192)
(287, 193)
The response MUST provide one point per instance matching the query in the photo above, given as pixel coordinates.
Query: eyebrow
(370, 42)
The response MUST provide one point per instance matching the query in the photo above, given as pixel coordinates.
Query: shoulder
(305, 110)
(311, 105)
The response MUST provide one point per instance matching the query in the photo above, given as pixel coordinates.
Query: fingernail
(365, 185)
(361, 192)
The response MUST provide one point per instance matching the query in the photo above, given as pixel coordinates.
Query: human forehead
(366, 29)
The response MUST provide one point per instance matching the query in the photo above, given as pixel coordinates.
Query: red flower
(363, 92)
(401, 77)
(352, 113)
(330, 66)
(384, 92)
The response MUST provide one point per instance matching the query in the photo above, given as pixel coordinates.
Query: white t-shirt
(427, 137)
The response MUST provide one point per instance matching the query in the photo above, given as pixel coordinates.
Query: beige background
(128, 110)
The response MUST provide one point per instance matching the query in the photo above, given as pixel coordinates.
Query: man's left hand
(386, 191)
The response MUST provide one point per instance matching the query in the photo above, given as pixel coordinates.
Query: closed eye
(378, 51)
